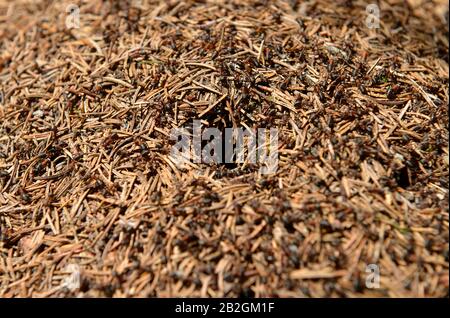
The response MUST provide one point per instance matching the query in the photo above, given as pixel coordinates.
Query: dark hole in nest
(402, 178)
(220, 125)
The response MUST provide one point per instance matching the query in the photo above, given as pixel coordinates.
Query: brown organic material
(86, 178)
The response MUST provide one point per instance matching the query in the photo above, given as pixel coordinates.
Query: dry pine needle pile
(88, 188)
